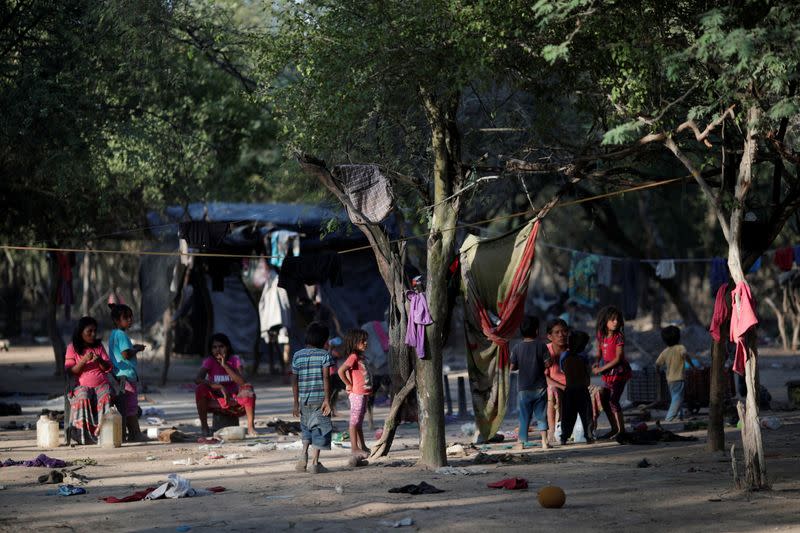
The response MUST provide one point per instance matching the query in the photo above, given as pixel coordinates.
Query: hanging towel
(756, 267)
(583, 278)
(418, 317)
(720, 313)
(719, 273)
(665, 269)
(280, 241)
(784, 258)
(273, 307)
(743, 317)
(630, 288)
(369, 190)
(604, 271)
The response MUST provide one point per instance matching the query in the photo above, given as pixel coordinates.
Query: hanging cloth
(202, 234)
(630, 288)
(280, 241)
(604, 271)
(495, 274)
(719, 273)
(65, 295)
(756, 267)
(310, 270)
(784, 258)
(743, 317)
(665, 269)
(369, 191)
(720, 313)
(418, 317)
(273, 308)
(583, 278)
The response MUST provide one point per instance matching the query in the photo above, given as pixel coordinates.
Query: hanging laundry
(310, 270)
(743, 317)
(183, 247)
(369, 190)
(65, 295)
(274, 308)
(377, 353)
(665, 269)
(604, 271)
(583, 279)
(720, 313)
(630, 288)
(756, 267)
(784, 258)
(719, 273)
(203, 234)
(280, 241)
(418, 317)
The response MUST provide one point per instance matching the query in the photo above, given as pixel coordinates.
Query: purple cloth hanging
(418, 317)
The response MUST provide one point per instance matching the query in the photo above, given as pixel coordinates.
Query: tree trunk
(781, 319)
(381, 448)
(755, 466)
(717, 394)
(59, 348)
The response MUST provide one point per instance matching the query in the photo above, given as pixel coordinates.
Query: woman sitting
(92, 397)
(221, 387)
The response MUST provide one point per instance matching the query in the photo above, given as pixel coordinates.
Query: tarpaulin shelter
(232, 310)
(495, 274)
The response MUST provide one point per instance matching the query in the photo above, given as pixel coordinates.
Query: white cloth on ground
(176, 487)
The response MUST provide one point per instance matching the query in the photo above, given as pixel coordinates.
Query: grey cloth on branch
(368, 189)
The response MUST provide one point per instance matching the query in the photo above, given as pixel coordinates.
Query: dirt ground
(685, 489)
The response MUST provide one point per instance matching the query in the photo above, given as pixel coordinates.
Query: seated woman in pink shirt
(88, 361)
(221, 387)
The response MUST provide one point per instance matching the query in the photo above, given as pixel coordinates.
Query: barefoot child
(123, 357)
(221, 387)
(529, 358)
(674, 357)
(311, 388)
(358, 382)
(612, 365)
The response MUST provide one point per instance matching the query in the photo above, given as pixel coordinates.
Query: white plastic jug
(578, 434)
(231, 433)
(47, 434)
(110, 429)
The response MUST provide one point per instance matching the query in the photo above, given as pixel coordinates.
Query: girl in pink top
(558, 335)
(612, 366)
(87, 360)
(221, 387)
(358, 381)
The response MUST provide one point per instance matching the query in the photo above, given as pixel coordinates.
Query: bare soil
(685, 489)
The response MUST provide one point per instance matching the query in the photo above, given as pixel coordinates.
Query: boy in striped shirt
(312, 391)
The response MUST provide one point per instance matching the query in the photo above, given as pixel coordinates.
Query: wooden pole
(447, 397)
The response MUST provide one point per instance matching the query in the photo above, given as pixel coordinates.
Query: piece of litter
(150, 458)
(296, 445)
(185, 462)
(214, 455)
(455, 449)
(2, 487)
(407, 521)
(155, 421)
(644, 463)
(209, 447)
(341, 444)
(234, 456)
(339, 489)
(183, 528)
(468, 429)
(262, 447)
(461, 471)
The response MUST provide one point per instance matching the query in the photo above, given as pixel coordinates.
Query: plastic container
(231, 433)
(110, 429)
(47, 433)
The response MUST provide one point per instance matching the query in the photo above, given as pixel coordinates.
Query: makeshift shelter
(216, 292)
(495, 274)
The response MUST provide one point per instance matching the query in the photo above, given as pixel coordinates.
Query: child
(123, 357)
(311, 388)
(358, 383)
(221, 387)
(575, 366)
(673, 358)
(529, 358)
(611, 364)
